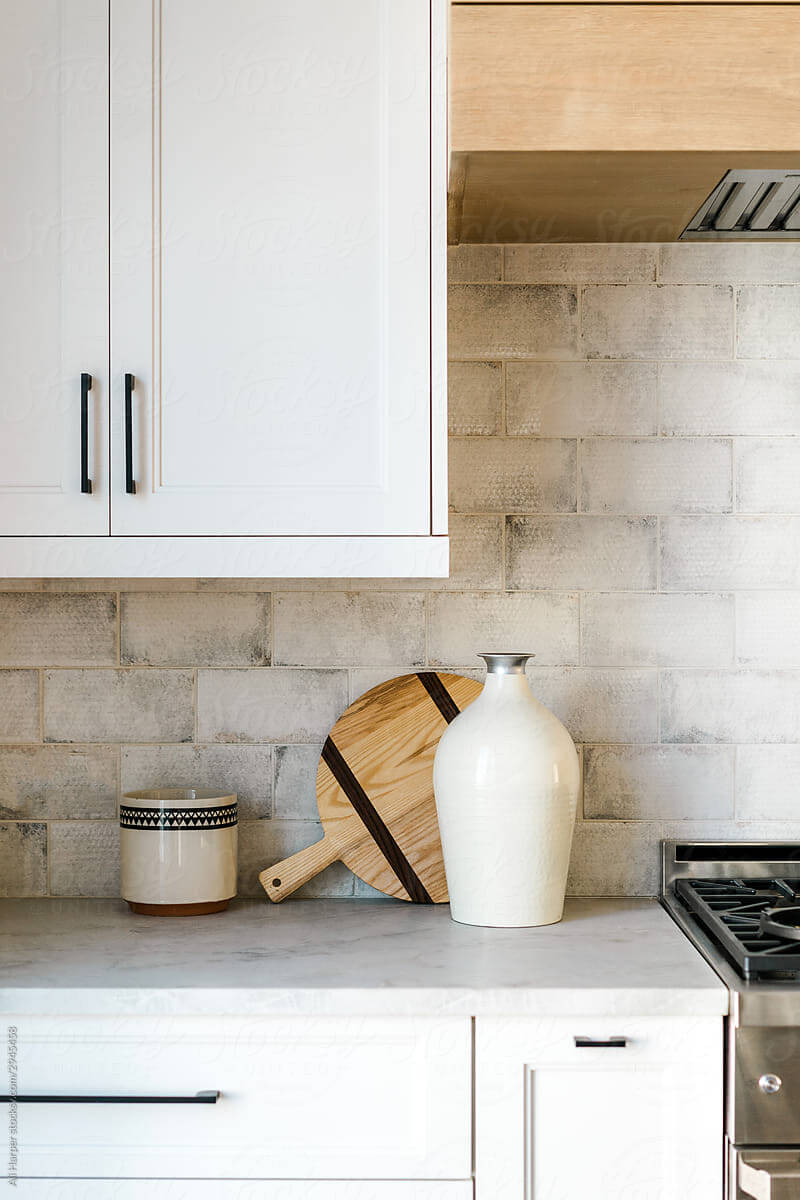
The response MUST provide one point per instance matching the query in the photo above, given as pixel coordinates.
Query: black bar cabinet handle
(86, 387)
(130, 485)
(197, 1098)
(612, 1043)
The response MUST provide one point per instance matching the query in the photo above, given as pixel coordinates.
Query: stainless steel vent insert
(749, 204)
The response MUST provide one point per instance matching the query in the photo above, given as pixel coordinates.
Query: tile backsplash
(625, 502)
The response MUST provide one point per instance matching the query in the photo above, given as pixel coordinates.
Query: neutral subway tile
(464, 624)
(614, 858)
(730, 831)
(23, 858)
(245, 770)
(600, 705)
(296, 782)
(84, 858)
(19, 706)
(476, 560)
(57, 630)
(362, 681)
(271, 705)
(475, 397)
(581, 552)
(474, 263)
(730, 706)
(767, 324)
(639, 321)
(768, 475)
(649, 783)
(656, 475)
(476, 553)
(721, 553)
(265, 843)
(768, 629)
(754, 262)
(729, 398)
(118, 706)
(585, 263)
(577, 399)
(67, 782)
(512, 475)
(768, 783)
(339, 629)
(512, 321)
(212, 629)
(648, 629)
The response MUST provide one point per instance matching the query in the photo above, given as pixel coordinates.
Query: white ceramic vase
(506, 780)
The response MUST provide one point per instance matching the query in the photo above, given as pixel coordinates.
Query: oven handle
(769, 1174)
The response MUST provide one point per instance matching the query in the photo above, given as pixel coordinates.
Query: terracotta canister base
(177, 910)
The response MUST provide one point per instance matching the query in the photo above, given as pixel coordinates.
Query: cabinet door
(271, 266)
(53, 264)
(558, 1121)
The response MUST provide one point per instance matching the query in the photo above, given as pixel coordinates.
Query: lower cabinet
(299, 1098)
(367, 1108)
(586, 1109)
(262, 1189)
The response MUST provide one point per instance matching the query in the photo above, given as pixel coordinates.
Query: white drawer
(300, 1098)
(263, 1189)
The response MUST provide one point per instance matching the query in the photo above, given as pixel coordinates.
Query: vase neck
(505, 664)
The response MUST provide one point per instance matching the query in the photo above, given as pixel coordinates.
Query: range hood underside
(592, 196)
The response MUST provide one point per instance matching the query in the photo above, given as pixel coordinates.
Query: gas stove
(739, 903)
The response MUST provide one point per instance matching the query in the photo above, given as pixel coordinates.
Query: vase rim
(506, 662)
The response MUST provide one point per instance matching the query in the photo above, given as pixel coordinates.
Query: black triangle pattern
(221, 816)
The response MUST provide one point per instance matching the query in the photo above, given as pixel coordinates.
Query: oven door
(767, 1174)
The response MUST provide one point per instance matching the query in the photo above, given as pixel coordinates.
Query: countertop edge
(708, 1000)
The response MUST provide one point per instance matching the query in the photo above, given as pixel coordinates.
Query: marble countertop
(350, 957)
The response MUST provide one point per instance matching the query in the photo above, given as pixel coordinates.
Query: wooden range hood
(613, 122)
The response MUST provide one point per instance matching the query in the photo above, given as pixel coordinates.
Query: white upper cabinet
(53, 265)
(271, 193)
(272, 398)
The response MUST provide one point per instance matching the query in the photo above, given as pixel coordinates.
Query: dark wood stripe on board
(333, 759)
(439, 694)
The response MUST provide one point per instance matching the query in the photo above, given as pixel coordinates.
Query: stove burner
(756, 922)
(781, 922)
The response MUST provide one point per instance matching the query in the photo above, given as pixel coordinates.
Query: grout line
(41, 704)
(578, 468)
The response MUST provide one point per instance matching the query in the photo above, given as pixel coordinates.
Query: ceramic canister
(178, 849)
(506, 781)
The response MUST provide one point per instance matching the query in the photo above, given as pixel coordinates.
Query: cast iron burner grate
(730, 910)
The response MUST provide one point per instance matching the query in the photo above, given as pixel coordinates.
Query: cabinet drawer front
(361, 1098)
(262, 1189)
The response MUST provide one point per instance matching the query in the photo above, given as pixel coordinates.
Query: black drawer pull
(197, 1098)
(130, 485)
(86, 387)
(612, 1043)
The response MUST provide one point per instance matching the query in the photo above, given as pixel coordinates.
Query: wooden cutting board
(375, 791)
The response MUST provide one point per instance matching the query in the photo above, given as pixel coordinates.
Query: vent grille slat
(749, 204)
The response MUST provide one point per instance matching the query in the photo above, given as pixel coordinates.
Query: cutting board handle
(280, 880)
